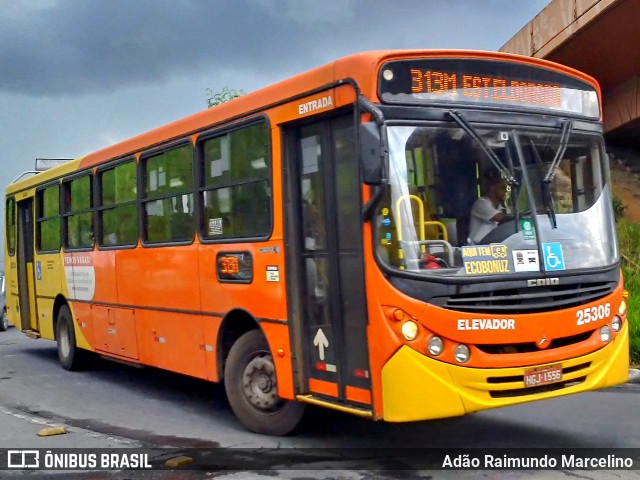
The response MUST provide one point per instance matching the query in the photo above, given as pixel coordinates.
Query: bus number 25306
(593, 314)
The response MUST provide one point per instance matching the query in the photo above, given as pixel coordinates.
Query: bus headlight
(410, 330)
(622, 309)
(435, 346)
(605, 334)
(616, 323)
(462, 353)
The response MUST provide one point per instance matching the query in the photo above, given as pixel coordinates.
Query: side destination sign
(487, 259)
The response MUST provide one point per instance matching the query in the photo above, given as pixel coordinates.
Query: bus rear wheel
(4, 322)
(70, 356)
(252, 390)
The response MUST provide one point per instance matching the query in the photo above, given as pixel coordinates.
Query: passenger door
(325, 261)
(26, 273)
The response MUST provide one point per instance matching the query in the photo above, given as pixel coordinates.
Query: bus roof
(351, 66)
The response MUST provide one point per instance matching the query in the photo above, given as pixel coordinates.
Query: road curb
(634, 375)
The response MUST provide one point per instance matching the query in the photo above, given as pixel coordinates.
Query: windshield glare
(449, 211)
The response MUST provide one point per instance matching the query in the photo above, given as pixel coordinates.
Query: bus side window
(78, 212)
(167, 198)
(48, 218)
(235, 188)
(118, 207)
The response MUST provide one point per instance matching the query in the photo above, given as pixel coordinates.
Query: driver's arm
(502, 217)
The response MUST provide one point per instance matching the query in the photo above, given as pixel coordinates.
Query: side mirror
(371, 154)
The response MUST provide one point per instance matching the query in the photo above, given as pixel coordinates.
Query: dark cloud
(50, 47)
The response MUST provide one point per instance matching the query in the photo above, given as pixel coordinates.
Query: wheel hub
(64, 340)
(259, 383)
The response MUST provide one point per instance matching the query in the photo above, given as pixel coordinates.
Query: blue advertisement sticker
(38, 270)
(553, 257)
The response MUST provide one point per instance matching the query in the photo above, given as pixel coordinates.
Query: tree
(224, 95)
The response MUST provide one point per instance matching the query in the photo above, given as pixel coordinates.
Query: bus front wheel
(252, 390)
(70, 356)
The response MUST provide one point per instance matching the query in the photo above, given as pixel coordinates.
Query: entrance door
(26, 279)
(326, 286)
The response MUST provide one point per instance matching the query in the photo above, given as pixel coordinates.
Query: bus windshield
(449, 210)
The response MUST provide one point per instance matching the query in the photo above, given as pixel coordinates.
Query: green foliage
(629, 238)
(224, 95)
(632, 283)
(618, 207)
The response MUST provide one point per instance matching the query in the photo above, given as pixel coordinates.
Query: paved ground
(162, 407)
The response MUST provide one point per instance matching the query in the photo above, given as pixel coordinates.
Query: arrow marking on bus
(320, 341)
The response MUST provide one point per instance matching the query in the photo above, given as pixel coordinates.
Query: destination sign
(491, 89)
(486, 82)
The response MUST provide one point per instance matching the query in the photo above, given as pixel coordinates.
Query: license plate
(542, 375)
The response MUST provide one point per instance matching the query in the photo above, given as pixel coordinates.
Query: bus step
(31, 333)
(323, 402)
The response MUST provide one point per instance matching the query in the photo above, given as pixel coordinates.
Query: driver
(489, 210)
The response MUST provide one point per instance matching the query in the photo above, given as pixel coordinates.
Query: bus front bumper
(417, 387)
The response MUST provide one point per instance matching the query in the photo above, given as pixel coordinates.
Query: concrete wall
(554, 25)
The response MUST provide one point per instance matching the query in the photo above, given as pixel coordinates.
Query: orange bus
(401, 235)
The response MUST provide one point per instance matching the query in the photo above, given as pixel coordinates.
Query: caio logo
(543, 282)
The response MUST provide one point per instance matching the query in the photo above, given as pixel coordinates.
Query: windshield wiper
(466, 126)
(547, 199)
(567, 126)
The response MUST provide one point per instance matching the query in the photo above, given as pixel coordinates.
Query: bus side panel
(104, 263)
(161, 284)
(49, 284)
(172, 341)
(45, 317)
(278, 338)
(114, 331)
(264, 298)
(163, 278)
(84, 320)
(12, 297)
(211, 329)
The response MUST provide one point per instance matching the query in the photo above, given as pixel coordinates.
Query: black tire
(250, 383)
(4, 322)
(70, 356)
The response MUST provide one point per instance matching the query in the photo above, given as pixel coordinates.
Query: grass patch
(629, 238)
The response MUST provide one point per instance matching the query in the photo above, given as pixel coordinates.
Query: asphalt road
(112, 406)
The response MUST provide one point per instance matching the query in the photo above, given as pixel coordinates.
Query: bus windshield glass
(449, 211)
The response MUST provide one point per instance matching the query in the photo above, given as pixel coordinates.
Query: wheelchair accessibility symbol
(553, 257)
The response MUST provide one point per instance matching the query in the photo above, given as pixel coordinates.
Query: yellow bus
(400, 235)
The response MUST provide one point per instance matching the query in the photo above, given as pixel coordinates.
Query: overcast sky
(79, 75)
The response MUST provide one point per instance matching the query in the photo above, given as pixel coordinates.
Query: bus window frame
(142, 197)
(99, 208)
(199, 171)
(65, 215)
(10, 198)
(38, 195)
